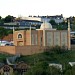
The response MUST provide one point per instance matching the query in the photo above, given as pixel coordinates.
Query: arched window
(19, 36)
(6, 68)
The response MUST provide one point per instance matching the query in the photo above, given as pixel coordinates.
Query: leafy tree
(38, 69)
(73, 27)
(8, 19)
(53, 22)
(3, 33)
(55, 71)
(68, 72)
(60, 26)
(9, 31)
(42, 68)
(73, 70)
(1, 20)
(0, 17)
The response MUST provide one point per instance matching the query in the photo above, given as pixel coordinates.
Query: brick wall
(24, 50)
(29, 50)
(7, 49)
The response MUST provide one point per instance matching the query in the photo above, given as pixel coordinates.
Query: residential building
(57, 18)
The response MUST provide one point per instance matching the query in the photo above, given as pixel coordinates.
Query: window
(6, 69)
(19, 36)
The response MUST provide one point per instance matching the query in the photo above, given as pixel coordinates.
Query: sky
(37, 7)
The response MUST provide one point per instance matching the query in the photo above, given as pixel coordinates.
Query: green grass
(62, 58)
(50, 57)
(3, 57)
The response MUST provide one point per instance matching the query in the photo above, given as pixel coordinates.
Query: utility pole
(69, 43)
(30, 35)
(44, 34)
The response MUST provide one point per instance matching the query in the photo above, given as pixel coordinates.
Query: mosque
(45, 36)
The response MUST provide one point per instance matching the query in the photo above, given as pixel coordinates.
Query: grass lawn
(3, 57)
(50, 57)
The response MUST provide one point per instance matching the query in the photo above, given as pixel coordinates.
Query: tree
(1, 20)
(0, 17)
(9, 31)
(8, 19)
(73, 70)
(39, 68)
(3, 33)
(53, 22)
(42, 68)
(55, 71)
(70, 70)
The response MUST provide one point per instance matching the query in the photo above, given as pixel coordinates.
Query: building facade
(57, 18)
(45, 36)
(35, 22)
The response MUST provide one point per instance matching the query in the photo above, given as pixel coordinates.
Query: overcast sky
(37, 7)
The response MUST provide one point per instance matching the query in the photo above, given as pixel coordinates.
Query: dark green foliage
(8, 19)
(3, 32)
(39, 62)
(1, 20)
(57, 56)
(62, 27)
(52, 22)
(9, 31)
(0, 17)
(59, 26)
(3, 57)
(70, 71)
(42, 68)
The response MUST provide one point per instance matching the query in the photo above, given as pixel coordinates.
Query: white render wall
(54, 38)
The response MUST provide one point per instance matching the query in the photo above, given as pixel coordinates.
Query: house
(57, 18)
(21, 67)
(6, 69)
